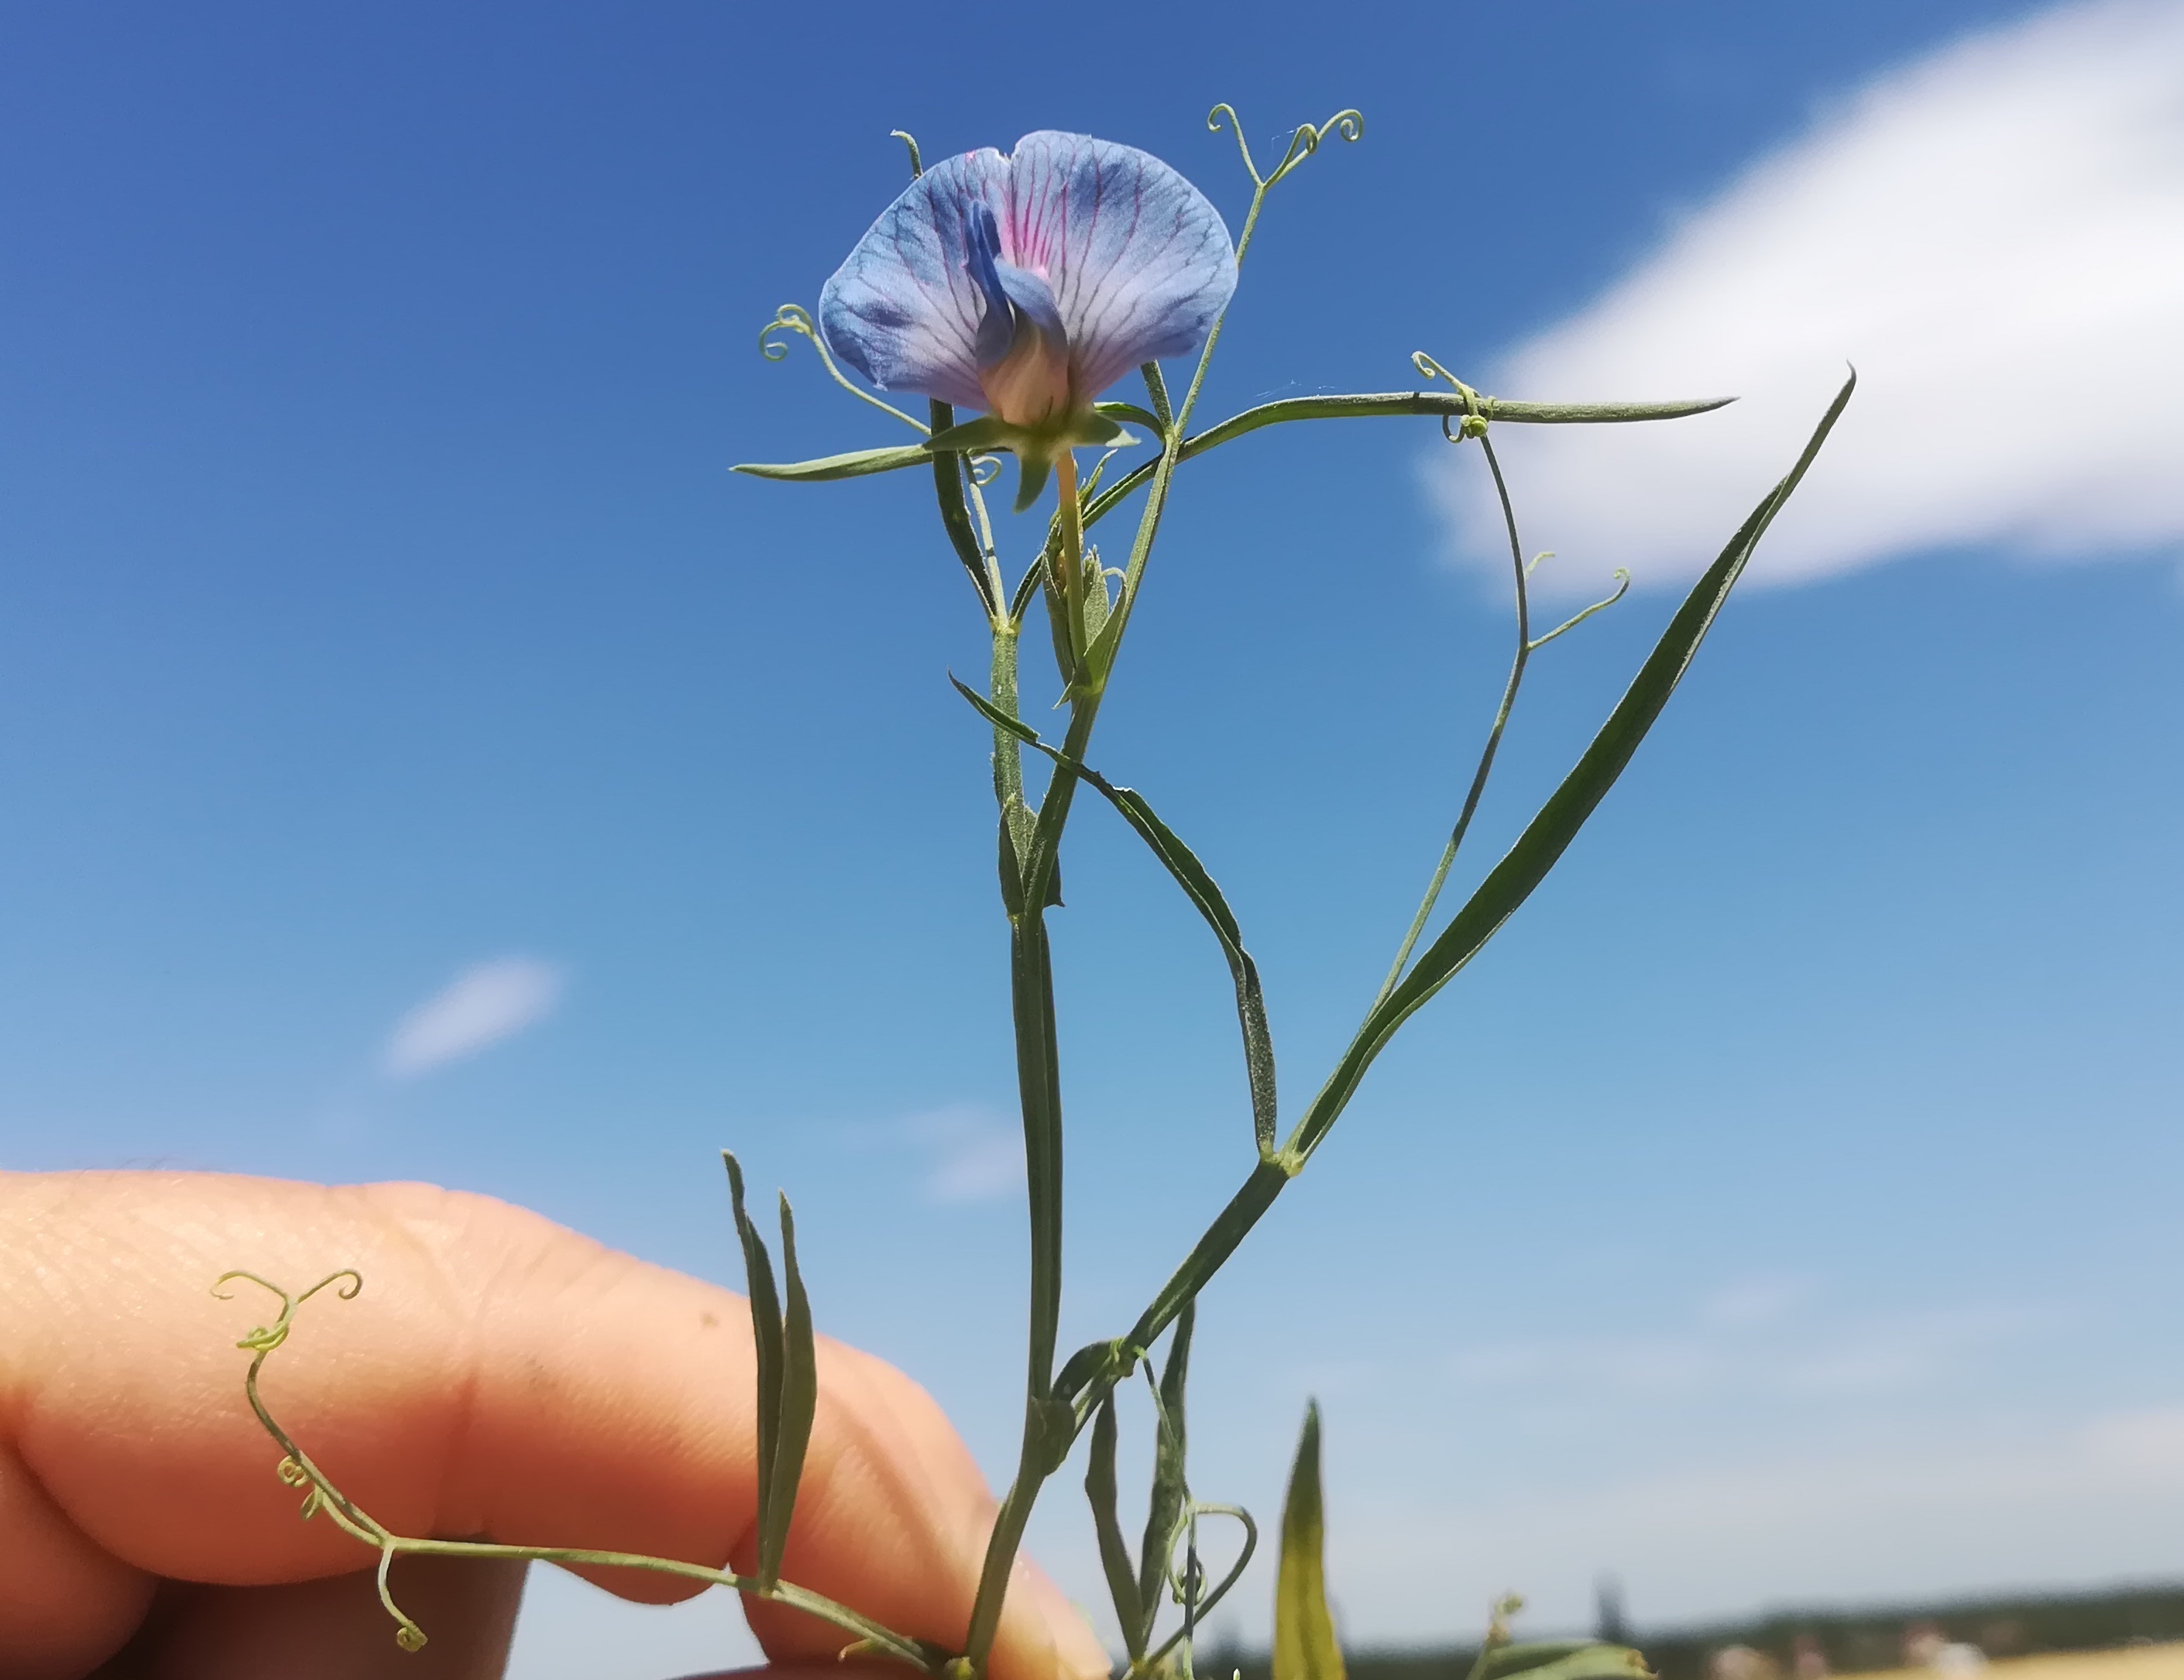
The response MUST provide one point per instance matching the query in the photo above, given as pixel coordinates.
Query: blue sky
(1780, 1210)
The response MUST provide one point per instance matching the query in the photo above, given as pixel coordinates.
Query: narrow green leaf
(1144, 417)
(1171, 1489)
(1449, 405)
(973, 436)
(1304, 1631)
(999, 719)
(1011, 868)
(1446, 405)
(1098, 603)
(1039, 1098)
(856, 464)
(1549, 834)
(1181, 863)
(1501, 1659)
(799, 1401)
(948, 470)
(1057, 629)
(1114, 1551)
(1157, 389)
(766, 1332)
(1026, 586)
(1564, 1660)
(1095, 1368)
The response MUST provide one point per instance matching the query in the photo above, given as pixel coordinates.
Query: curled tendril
(321, 1497)
(407, 1633)
(1622, 589)
(984, 469)
(265, 1338)
(795, 318)
(1303, 142)
(1478, 409)
(1183, 1584)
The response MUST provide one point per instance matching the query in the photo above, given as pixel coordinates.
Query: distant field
(2138, 1662)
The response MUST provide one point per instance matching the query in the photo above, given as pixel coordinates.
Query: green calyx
(1036, 448)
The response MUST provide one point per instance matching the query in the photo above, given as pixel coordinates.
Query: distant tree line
(1848, 1641)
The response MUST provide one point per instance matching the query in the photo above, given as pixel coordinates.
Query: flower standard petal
(1139, 264)
(905, 309)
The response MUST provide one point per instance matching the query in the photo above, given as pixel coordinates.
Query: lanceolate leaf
(1114, 1551)
(1171, 1489)
(1499, 1660)
(1251, 1001)
(799, 1401)
(856, 464)
(1181, 863)
(1563, 1660)
(948, 470)
(1549, 834)
(766, 1332)
(1447, 405)
(972, 437)
(1304, 1631)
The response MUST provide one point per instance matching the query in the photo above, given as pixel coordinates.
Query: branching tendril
(795, 318)
(1349, 124)
(320, 1496)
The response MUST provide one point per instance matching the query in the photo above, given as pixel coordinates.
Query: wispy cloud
(974, 1154)
(486, 1003)
(1749, 1340)
(1994, 234)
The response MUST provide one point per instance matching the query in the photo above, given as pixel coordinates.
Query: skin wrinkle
(462, 1427)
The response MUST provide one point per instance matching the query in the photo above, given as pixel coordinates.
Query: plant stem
(1258, 1191)
(1493, 736)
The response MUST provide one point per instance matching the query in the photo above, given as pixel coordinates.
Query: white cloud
(1994, 234)
(976, 1156)
(486, 1003)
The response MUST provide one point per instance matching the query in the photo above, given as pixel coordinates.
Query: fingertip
(1045, 1617)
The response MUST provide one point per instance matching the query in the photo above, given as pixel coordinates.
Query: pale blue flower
(1025, 285)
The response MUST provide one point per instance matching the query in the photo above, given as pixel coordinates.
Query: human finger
(498, 1377)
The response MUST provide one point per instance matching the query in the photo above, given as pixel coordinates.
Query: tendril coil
(321, 1497)
(1478, 411)
(795, 318)
(1302, 143)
